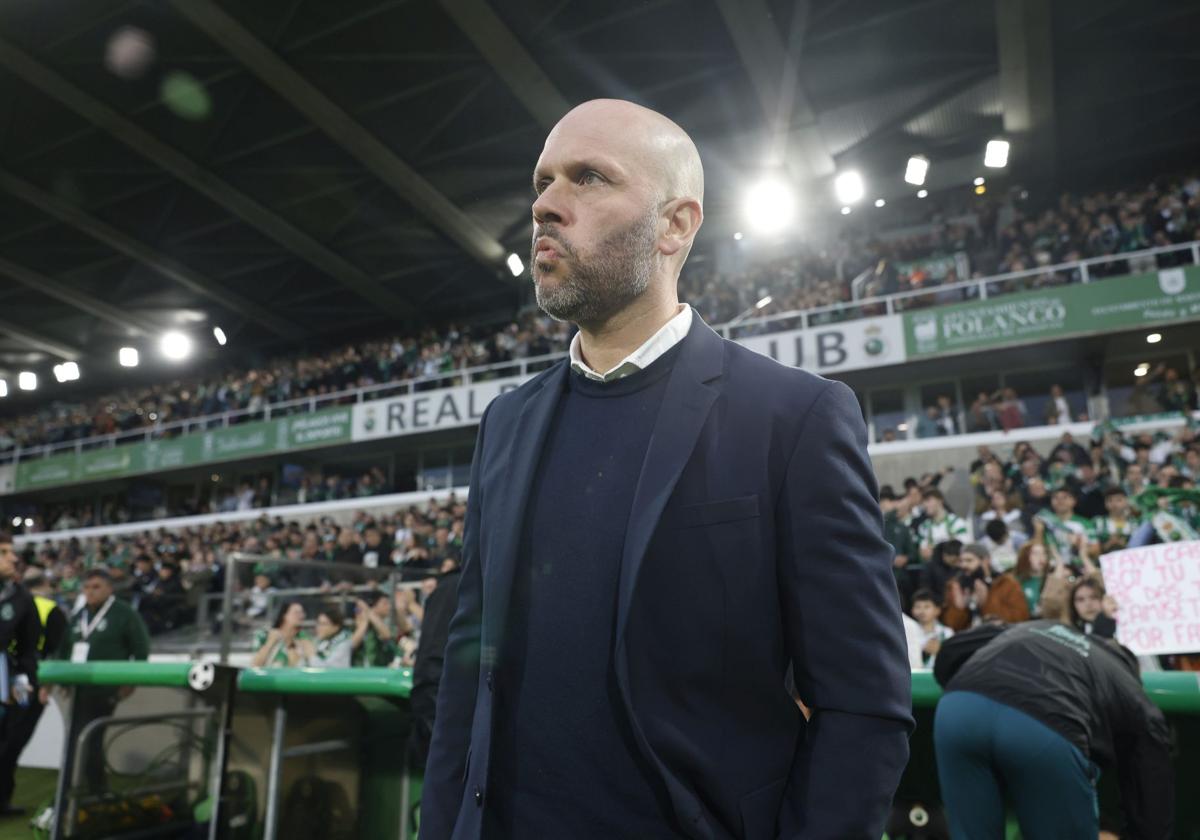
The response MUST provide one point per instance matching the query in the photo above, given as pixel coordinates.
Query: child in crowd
(927, 611)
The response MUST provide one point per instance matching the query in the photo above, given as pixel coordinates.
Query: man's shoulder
(749, 368)
(509, 403)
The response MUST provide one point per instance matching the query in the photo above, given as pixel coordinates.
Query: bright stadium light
(66, 372)
(219, 335)
(737, 237)
(128, 356)
(16, 522)
(764, 301)
(922, 193)
(995, 155)
(1154, 338)
(28, 522)
(916, 170)
(845, 211)
(175, 345)
(979, 182)
(515, 265)
(879, 202)
(848, 187)
(770, 205)
(27, 380)
(1141, 370)
(3, 388)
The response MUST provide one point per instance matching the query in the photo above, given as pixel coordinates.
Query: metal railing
(978, 289)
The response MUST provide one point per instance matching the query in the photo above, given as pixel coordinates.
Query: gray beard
(590, 293)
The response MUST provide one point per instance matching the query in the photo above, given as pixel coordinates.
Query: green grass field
(34, 789)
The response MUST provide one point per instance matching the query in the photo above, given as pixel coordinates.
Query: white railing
(979, 289)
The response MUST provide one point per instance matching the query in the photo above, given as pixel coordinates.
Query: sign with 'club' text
(1157, 590)
(830, 348)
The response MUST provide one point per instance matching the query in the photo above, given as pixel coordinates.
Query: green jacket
(120, 635)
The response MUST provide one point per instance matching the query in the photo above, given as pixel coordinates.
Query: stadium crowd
(993, 235)
(1027, 546)
(291, 487)
(1030, 544)
(166, 574)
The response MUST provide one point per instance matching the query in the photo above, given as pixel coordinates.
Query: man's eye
(590, 177)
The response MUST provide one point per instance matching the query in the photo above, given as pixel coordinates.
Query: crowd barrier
(313, 753)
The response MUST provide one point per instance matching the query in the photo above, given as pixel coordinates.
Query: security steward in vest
(19, 722)
(19, 632)
(104, 629)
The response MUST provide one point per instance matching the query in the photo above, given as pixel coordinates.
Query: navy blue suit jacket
(755, 542)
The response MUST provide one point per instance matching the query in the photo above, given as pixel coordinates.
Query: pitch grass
(35, 788)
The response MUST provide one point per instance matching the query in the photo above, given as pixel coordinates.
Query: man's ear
(684, 217)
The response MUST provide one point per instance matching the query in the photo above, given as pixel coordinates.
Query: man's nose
(552, 206)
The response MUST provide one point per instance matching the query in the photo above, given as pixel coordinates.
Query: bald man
(659, 527)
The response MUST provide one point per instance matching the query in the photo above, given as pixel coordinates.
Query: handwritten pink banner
(1157, 590)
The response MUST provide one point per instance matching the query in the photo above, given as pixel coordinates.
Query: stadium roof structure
(301, 170)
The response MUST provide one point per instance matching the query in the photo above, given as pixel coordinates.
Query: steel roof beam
(116, 315)
(144, 254)
(201, 179)
(343, 129)
(509, 58)
(38, 341)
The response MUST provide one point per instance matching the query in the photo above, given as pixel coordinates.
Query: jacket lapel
(525, 450)
(685, 407)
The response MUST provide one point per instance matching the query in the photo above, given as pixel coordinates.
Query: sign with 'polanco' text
(1129, 302)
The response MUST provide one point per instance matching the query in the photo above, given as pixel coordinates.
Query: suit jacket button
(478, 798)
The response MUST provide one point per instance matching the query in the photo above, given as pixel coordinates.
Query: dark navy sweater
(564, 758)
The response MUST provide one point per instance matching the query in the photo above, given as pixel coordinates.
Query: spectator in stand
(373, 641)
(929, 425)
(1064, 532)
(942, 567)
(348, 550)
(974, 594)
(1087, 609)
(1058, 410)
(1004, 510)
(1010, 411)
(164, 606)
(285, 644)
(334, 646)
(1030, 574)
(900, 537)
(927, 612)
(1002, 544)
(940, 524)
(258, 599)
(1112, 531)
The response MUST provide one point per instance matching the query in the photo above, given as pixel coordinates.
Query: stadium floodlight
(219, 335)
(995, 155)
(922, 193)
(3, 388)
(980, 181)
(845, 211)
(1154, 338)
(764, 301)
(28, 522)
(66, 372)
(879, 202)
(16, 522)
(27, 380)
(128, 356)
(515, 265)
(770, 205)
(175, 345)
(916, 170)
(737, 237)
(848, 187)
(1141, 370)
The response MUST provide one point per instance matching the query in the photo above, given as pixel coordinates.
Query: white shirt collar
(667, 337)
